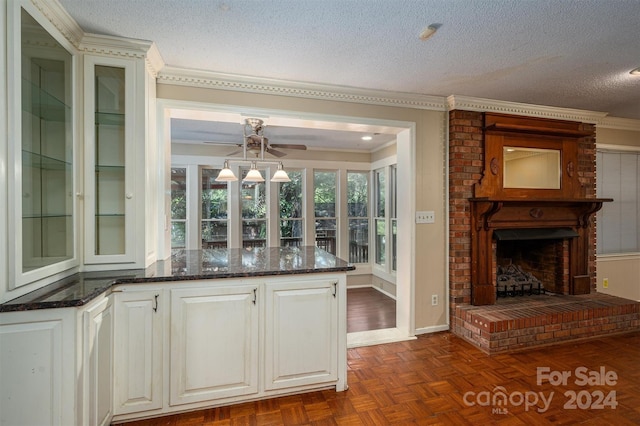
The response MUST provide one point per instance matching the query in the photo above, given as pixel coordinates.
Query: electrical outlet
(425, 216)
(605, 283)
(434, 299)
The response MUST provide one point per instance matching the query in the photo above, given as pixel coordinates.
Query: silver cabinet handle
(335, 288)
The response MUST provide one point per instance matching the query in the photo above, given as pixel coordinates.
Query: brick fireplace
(548, 230)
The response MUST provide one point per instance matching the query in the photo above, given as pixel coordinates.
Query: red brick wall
(466, 162)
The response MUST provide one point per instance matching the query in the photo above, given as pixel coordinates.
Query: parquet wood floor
(425, 382)
(369, 309)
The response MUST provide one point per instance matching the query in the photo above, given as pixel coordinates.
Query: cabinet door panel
(31, 389)
(301, 330)
(214, 343)
(138, 352)
(98, 324)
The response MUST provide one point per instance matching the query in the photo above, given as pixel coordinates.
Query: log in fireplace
(532, 189)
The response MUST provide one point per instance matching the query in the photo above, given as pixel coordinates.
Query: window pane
(254, 233)
(178, 193)
(394, 191)
(380, 241)
(357, 193)
(253, 198)
(380, 192)
(291, 232)
(214, 196)
(324, 196)
(291, 196)
(326, 234)
(214, 234)
(394, 244)
(178, 234)
(619, 221)
(358, 240)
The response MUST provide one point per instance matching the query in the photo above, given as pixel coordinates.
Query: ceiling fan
(255, 141)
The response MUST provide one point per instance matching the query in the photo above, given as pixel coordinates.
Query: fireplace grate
(513, 281)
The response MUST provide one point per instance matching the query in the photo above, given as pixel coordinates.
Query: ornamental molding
(619, 124)
(240, 83)
(124, 48)
(60, 19)
(490, 105)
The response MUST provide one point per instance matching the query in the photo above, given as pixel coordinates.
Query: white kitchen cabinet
(301, 344)
(97, 363)
(120, 156)
(138, 345)
(37, 367)
(214, 343)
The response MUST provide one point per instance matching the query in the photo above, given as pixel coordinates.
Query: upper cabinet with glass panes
(42, 171)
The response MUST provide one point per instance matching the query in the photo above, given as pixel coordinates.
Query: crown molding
(98, 44)
(241, 83)
(480, 104)
(60, 19)
(619, 124)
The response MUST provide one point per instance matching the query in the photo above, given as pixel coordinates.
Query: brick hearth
(521, 322)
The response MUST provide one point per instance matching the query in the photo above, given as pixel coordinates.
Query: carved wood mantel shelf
(490, 214)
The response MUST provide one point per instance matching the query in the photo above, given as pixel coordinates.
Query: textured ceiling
(560, 53)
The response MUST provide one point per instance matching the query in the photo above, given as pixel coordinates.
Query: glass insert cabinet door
(109, 160)
(108, 199)
(42, 149)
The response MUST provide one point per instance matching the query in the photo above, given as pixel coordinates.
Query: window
(393, 213)
(254, 212)
(178, 207)
(214, 220)
(324, 197)
(291, 208)
(380, 221)
(618, 221)
(357, 210)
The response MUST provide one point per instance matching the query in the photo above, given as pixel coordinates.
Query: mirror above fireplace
(531, 168)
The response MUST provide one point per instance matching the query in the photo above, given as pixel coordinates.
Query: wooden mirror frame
(530, 132)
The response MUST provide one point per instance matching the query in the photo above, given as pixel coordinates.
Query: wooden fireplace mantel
(489, 214)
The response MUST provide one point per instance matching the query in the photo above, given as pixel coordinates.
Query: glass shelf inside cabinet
(46, 148)
(110, 160)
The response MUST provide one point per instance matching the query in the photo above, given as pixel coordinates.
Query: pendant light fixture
(280, 175)
(254, 175)
(226, 175)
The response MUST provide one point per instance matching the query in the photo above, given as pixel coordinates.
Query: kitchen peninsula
(201, 329)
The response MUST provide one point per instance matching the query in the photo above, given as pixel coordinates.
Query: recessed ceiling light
(635, 71)
(367, 138)
(429, 31)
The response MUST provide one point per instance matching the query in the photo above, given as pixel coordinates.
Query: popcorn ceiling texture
(572, 53)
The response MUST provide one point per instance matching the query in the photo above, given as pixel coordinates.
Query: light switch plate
(427, 216)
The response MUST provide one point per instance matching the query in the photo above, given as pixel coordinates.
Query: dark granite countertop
(184, 265)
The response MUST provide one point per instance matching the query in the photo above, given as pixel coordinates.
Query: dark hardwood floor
(440, 379)
(369, 309)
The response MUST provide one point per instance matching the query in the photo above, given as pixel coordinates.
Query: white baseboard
(432, 329)
(376, 337)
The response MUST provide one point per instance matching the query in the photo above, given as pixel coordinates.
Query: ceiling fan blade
(288, 146)
(275, 152)
(238, 151)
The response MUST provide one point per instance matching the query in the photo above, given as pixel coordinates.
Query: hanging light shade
(226, 175)
(253, 175)
(280, 175)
